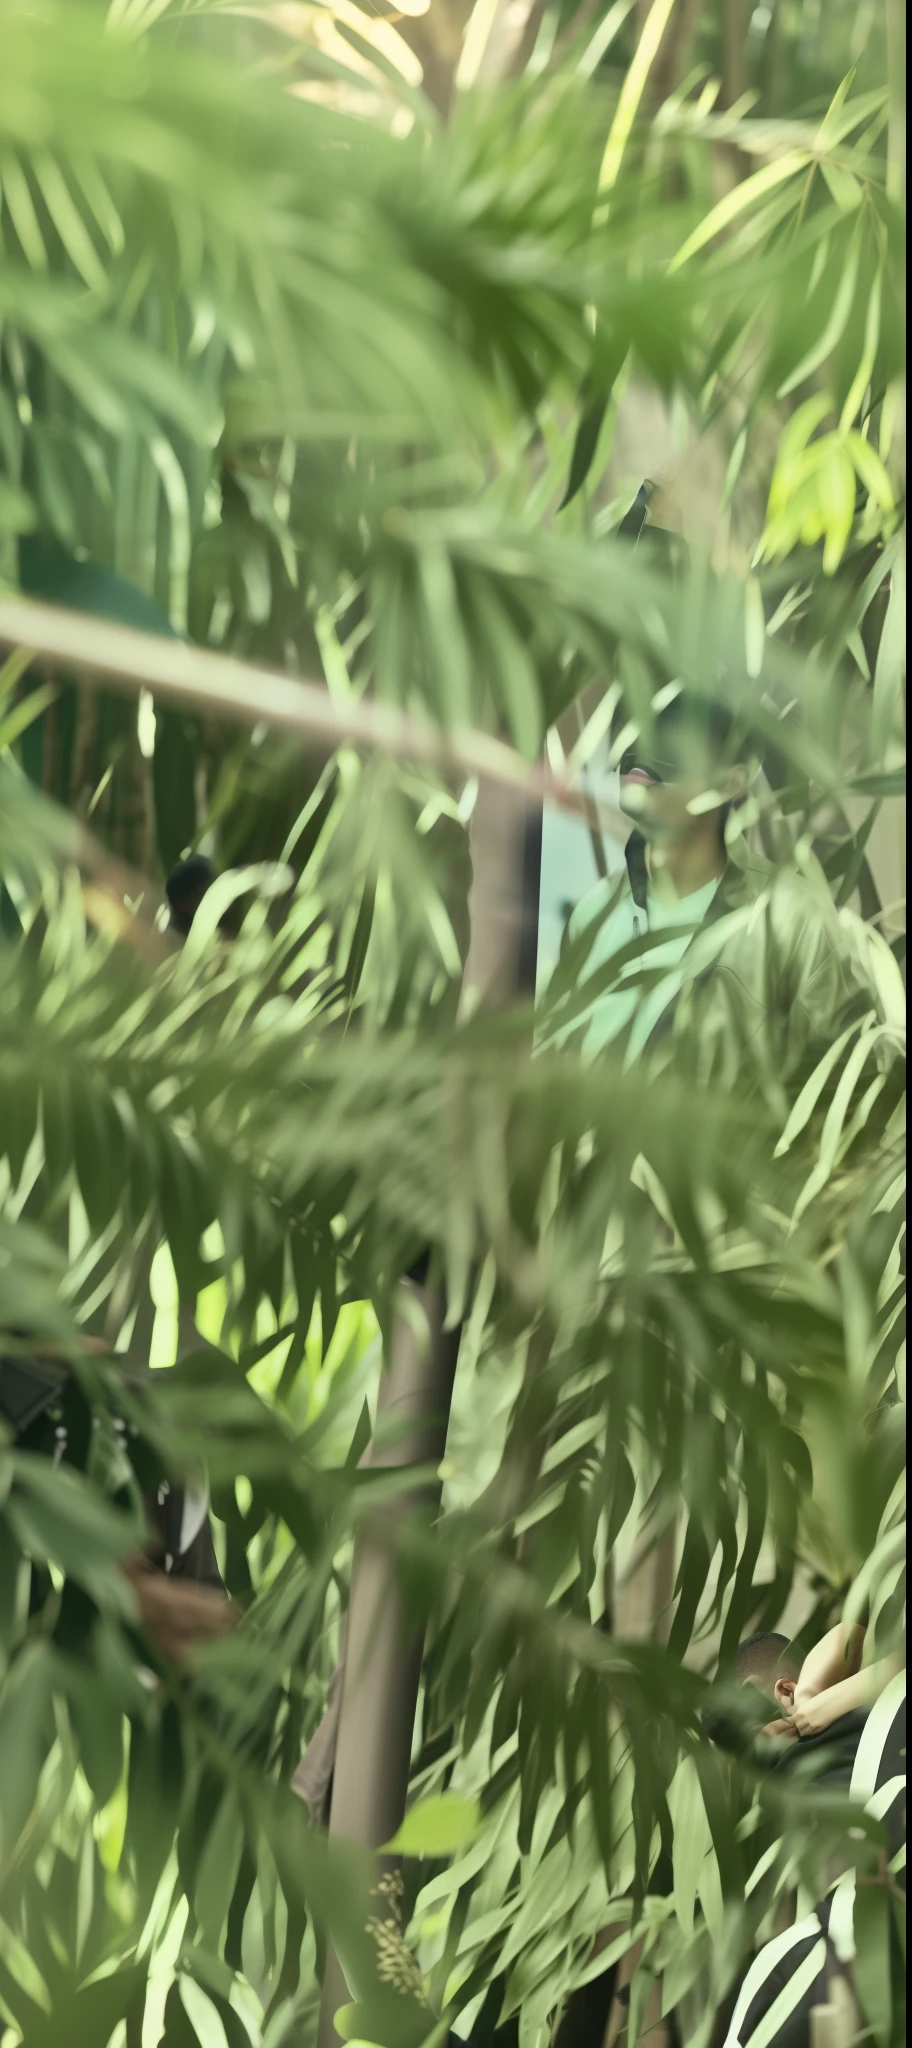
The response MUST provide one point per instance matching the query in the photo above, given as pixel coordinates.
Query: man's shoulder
(802, 892)
(790, 913)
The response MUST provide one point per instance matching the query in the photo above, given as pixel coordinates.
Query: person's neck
(682, 863)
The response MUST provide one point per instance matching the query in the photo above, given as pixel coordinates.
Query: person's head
(185, 888)
(682, 777)
(766, 1661)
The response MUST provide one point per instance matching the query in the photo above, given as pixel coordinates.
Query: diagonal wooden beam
(217, 685)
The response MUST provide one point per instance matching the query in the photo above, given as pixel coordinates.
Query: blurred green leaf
(437, 1827)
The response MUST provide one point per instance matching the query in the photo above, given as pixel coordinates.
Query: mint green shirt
(618, 1007)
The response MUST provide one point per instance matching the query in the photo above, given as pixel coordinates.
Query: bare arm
(845, 1697)
(835, 1658)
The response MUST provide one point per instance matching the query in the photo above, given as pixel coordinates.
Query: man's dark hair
(715, 727)
(703, 715)
(185, 888)
(764, 1658)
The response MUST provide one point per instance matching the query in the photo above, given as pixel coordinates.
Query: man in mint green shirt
(676, 861)
(740, 977)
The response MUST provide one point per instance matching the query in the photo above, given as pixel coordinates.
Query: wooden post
(383, 1655)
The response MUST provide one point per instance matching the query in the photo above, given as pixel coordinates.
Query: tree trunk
(734, 50)
(383, 1654)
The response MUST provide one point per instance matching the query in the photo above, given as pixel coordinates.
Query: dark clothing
(804, 1961)
(41, 1403)
(832, 1757)
(826, 1760)
(180, 1555)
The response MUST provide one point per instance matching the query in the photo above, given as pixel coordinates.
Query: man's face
(667, 778)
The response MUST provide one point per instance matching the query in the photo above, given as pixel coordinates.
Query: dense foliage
(311, 360)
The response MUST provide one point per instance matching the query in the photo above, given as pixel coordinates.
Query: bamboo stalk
(373, 1745)
(383, 1658)
(219, 686)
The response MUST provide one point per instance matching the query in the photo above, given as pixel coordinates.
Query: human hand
(781, 1731)
(811, 1716)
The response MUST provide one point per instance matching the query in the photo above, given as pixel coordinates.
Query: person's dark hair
(185, 888)
(763, 1658)
(701, 714)
(716, 727)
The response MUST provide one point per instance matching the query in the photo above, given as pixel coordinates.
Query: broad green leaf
(218, 1869)
(57, 1514)
(437, 1826)
(692, 1841)
(206, 2022)
(347, 2020)
(872, 1927)
(25, 1701)
(888, 672)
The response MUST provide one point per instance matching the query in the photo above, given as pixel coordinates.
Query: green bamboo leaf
(218, 1869)
(12, 671)
(829, 340)
(834, 1123)
(735, 466)
(68, 221)
(437, 1826)
(609, 27)
(95, 192)
(846, 189)
(17, 509)
(871, 470)
(448, 652)
(865, 371)
(837, 496)
(873, 1974)
(25, 1702)
(890, 1547)
(884, 785)
(347, 2021)
(887, 711)
(57, 1514)
(825, 133)
(93, 2011)
(22, 714)
(803, 1109)
(739, 201)
(206, 2025)
(515, 681)
(691, 1841)
(17, 195)
(839, 121)
(632, 92)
